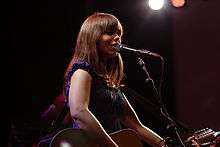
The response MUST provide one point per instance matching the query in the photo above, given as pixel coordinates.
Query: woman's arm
(131, 120)
(79, 96)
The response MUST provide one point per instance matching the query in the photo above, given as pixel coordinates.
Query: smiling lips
(114, 46)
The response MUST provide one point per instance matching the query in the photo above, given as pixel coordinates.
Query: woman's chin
(109, 55)
(113, 55)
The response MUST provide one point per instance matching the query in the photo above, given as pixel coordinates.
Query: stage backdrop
(196, 63)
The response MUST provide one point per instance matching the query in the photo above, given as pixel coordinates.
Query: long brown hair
(86, 45)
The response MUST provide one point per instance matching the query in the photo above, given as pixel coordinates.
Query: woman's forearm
(87, 121)
(149, 136)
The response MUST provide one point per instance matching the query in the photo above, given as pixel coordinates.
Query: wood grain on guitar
(78, 138)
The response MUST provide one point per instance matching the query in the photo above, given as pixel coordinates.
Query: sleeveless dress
(106, 103)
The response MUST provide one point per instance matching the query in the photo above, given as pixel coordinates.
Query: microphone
(121, 48)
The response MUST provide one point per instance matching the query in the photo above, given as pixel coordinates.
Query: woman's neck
(103, 66)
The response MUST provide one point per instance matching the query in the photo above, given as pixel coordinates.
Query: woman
(92, 82)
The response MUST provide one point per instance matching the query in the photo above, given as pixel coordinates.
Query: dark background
(42, 36)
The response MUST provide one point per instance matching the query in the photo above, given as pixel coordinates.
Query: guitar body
(124, 138)
(78, 138)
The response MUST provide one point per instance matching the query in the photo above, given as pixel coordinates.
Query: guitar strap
(55, 126)
(57, 123)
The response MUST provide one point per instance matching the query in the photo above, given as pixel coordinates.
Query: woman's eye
(110, 33)
(119, 33)
(113, 33)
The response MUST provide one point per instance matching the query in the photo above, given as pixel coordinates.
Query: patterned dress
(106, 103)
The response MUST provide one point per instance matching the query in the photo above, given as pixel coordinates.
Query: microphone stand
(163, 109)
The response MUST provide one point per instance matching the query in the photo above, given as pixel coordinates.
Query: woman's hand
(162, 143)
(193, 141)
(195, 144)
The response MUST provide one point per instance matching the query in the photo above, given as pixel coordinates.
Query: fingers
(194, 143)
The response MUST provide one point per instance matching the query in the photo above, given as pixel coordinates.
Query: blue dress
(106, 103)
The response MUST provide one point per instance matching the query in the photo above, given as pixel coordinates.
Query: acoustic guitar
(71, 137)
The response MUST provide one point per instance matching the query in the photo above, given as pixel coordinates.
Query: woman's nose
(116, 38)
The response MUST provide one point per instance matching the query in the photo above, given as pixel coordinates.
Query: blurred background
(42, 36)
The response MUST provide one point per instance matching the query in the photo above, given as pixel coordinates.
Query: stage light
(155, 4)
(178, 3)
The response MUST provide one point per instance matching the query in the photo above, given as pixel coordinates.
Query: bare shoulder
(81, 75)
(80, 87)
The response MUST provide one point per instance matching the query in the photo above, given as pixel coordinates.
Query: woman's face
(107, 44)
